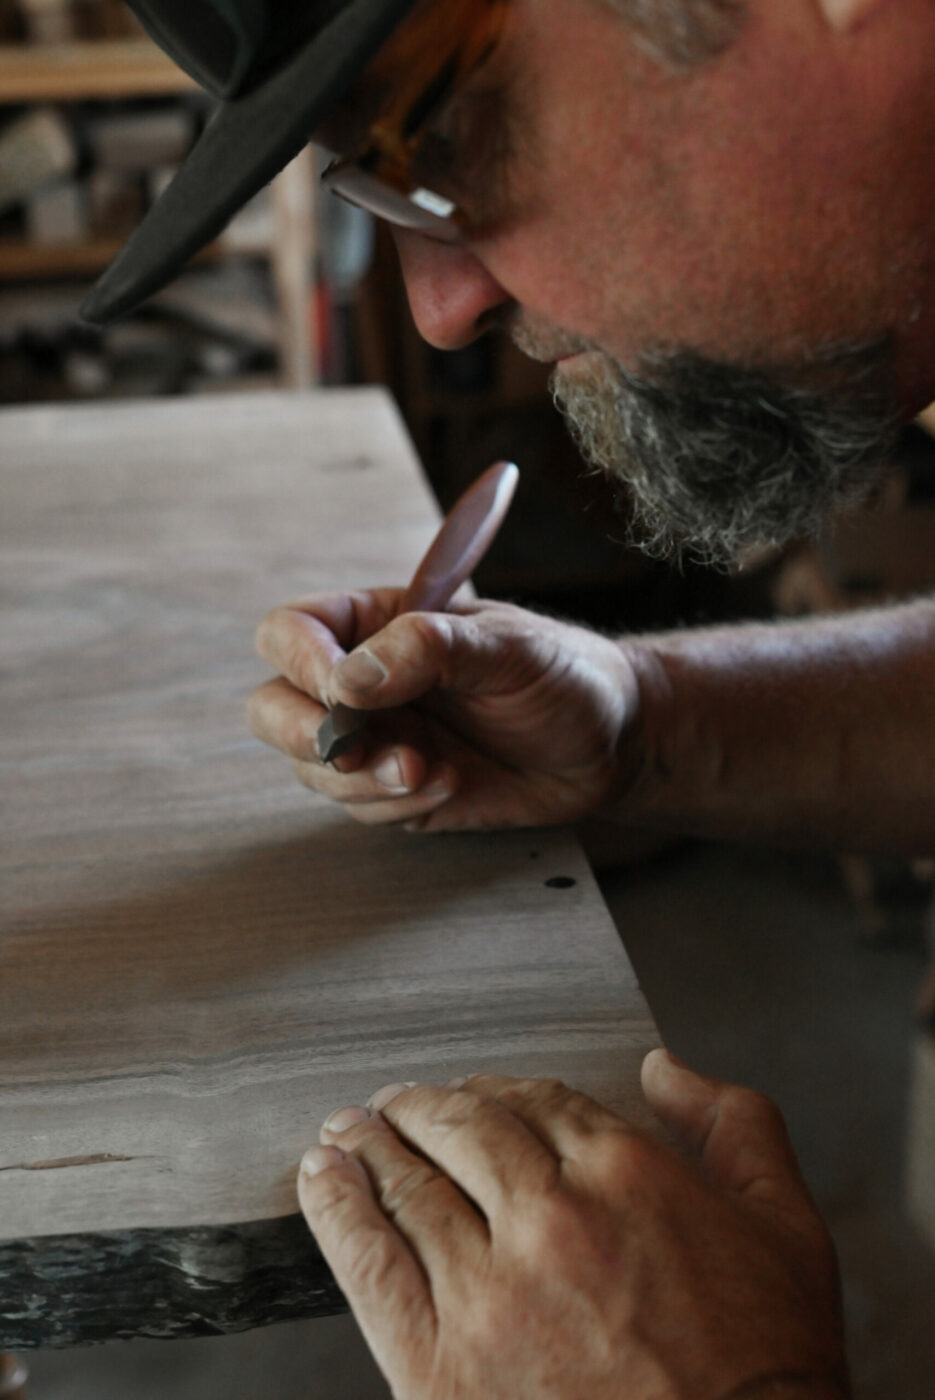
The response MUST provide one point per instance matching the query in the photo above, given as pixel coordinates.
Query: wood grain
(198, 958)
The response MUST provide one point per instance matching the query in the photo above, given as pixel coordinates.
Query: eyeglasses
(429, 64)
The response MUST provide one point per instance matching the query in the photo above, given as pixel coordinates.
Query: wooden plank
(104, 68)
(198, 958)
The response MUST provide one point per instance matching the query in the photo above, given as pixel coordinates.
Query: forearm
(796, 733)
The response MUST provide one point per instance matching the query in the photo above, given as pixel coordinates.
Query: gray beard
(720, 458)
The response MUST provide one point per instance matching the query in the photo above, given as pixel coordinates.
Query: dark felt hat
(277, 66)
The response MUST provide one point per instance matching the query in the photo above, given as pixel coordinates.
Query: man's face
(753, 231)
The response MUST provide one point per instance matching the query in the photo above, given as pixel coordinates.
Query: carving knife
(466, 534)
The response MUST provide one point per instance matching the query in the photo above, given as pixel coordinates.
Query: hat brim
(245, 143)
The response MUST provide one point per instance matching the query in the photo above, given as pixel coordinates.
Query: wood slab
(199, 958)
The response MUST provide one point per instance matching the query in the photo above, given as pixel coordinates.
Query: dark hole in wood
(560, 882)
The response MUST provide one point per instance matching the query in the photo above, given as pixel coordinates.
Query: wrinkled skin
(491, 716)
(512, 1239)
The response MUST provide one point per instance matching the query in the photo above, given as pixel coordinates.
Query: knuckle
(356, 1136)
(548, 1088)
(296, 738)
(419, 638)
(434, 630)
(372, 1258)
(462, 1106)
(555, 1092)
(275, 637)
(307, 774)
(555, 1099)
(416, 1180)
(329, 1197)
(754, 1106)
(265, 632)
(276, 718)
(626, 1160)
(299, 664)
(538, 1092)
(460, 1116)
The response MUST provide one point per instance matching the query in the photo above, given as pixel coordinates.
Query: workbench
(199, 958)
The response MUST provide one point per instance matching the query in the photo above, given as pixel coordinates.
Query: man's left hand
(512, 1238)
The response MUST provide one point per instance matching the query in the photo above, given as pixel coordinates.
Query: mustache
(538, 340)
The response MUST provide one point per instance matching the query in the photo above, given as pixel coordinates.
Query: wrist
(647, 750)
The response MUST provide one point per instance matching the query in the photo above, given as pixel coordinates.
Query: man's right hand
(487, 716)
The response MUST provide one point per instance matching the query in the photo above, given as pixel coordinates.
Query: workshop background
(93, 120)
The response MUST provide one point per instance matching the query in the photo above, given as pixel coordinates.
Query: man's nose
(450, 292)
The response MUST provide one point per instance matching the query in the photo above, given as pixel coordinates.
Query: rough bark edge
(199, 1281)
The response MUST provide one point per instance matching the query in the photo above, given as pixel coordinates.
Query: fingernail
(343, 1118)
(389, 1091)
(660, 1060)
(361, 670)
(389, 774)
(839, 13)
(437, 789)
(317, 1159)
(458, 1082)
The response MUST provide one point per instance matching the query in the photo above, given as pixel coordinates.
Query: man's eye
(434, 160)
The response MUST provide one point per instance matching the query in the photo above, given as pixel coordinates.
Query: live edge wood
(198, 959)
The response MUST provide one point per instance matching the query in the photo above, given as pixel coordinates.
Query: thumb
(738, 1134)
(418, 652)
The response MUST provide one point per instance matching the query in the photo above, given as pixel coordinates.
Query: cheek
(692, 219)
(593, 241)
(644, 267)
(605, 245)
(619, 284)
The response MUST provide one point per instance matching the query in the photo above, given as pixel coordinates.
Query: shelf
(106, 68)
(21, 261)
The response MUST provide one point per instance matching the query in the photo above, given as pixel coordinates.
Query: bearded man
(716, 219)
